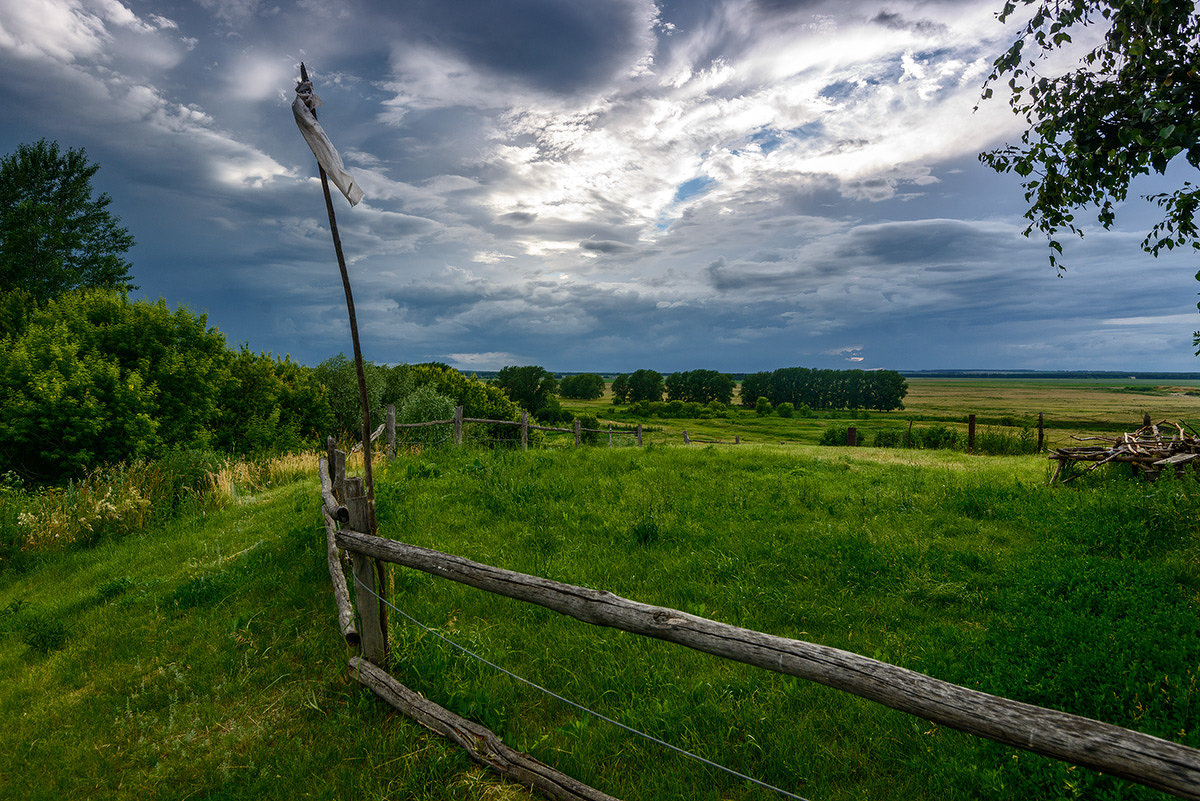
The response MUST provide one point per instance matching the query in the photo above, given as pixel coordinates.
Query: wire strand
(571, 703)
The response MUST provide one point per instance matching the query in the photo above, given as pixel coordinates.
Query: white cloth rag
(318, 141)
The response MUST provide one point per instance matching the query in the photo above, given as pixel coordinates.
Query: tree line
(881, 390)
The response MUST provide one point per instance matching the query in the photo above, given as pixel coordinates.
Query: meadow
(195, 655)
(1071, 407)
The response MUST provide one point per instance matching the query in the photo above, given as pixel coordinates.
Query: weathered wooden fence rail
(1132, 755)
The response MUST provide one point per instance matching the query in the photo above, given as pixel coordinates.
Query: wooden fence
(1138, 757)
(390, 426)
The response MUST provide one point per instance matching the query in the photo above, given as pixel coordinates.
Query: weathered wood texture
(332, 508)
(390, 422)
(481, 743)
(341, 594)
(374, 436)
(372, 623)
(1132, 755)
(458, 421)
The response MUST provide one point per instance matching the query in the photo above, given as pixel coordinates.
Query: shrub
(785, 409)
(762, 407)
(422, 405)
(938, 436)
(888, 438)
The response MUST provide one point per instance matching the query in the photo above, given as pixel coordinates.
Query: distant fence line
(390, 426)
(1121, 752)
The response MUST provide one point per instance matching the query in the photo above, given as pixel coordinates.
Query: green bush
(785, 409)
(762, 407)
(425, 404)
(936, 437)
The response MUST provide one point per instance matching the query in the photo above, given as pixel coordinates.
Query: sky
(609, 185)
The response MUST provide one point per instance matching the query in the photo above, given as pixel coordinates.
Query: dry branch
(332, 508)
(1132, 755)
(1148, 449)
(481, 743)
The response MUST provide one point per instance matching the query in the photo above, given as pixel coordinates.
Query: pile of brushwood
(1148, 450)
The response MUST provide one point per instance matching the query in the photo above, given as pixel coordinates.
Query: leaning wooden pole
(364, 405)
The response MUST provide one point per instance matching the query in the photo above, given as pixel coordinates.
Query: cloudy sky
(604, 185)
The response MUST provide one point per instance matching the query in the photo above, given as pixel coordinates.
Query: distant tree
(531, 387)
(699, 386)
(620, 389)
(762, 407)
(1130, 107)
(754, 386)
(645, 385)
(582, 386)
(55, 233)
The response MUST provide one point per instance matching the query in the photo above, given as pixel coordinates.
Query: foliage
(762, 407)
(269, 406)
(881, 390)
(785, 409)
(1127, 109)
(479, 400)
(340, 379)
(55, 233)
(422, 405)
(582, 386)
(93, 379)
(533, 388)
(620, 389)
(700, 386)
(645, 385)
(676, 410)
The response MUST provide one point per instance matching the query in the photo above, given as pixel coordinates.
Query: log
(332, 508)
(341, 595)
(1141, 758)
(481, 743)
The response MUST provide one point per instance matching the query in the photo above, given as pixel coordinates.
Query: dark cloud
(604, 246)
(898, 22)
(558, 45)
(929, 241)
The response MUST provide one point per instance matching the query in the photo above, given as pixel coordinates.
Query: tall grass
(201, 656)
(113, 502)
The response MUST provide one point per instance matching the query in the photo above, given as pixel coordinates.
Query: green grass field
(1071, 407)
(200, 659)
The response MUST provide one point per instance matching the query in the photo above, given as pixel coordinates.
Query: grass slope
(201, 660)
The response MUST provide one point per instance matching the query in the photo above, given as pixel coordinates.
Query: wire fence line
(573, 704)
(486, 431)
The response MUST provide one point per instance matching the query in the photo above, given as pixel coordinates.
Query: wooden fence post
(1041, 431)
(639, 435)
(458, 415)
(337, 470)
(970, 433)
(737, 439)
(367, 572)
(391, 431)
(610, 435)
(578, 433)
(524, 430)
(851, 436)
(685, 437)
(1146, 421)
